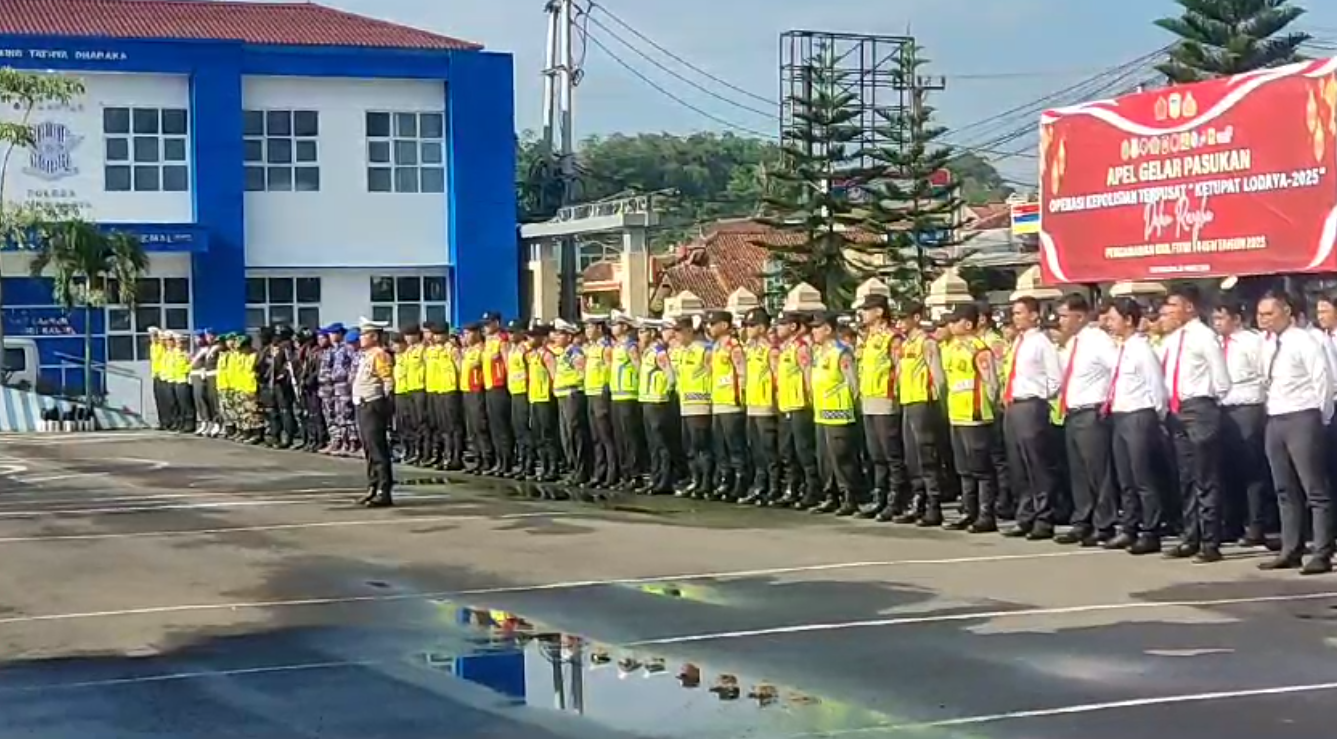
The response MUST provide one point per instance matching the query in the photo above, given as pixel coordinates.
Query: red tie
(1174, 381)
(1114, 381)
(1067, 377)
(1012, 371)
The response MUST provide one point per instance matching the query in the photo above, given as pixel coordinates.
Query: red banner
(1229, 177)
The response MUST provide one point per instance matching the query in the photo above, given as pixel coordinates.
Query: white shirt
(1329, 352)
(1139, 381)
(1088, 366)
(1243, 351)
(1035, 369)
(1195, 366)
(1295, 368)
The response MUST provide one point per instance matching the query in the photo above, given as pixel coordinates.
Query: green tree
(86, 265)
(1219, 38)
(811, 209)
(980, 181)
(911, 202)
(23, 223)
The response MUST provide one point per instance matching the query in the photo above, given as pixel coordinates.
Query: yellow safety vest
(793, 396)
(832, 399)
(694, 375)
(596, 369)
(517, 364)
(623, 382)
(569, 377)
(539, 381)
(439, 371)
(471, 370)
(654, 381)
(221, 379)
(488, 356)
(877, 373)
(723, 376)
(914, 381)
(967, 402)
(155, 360)
(401, 373)
(760, 389)
(415, 368)
(246, 380)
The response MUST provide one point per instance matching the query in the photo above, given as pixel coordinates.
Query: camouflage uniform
(343, 429)
(325, 391)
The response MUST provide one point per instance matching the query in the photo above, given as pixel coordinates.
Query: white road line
(281, 527)
(43, 499)
(54, 478)
(1085, 708)
(226, 504)
(980, 615)
(541, 587)
(173, 676)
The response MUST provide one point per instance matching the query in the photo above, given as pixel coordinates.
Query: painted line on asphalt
(978, 616)
(174, 676)
(1085, 708)
(224, 530)
(55, 478)
(43, 499)
(220, 505)
(540, 587)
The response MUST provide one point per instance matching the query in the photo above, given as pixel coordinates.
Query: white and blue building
(282, 163)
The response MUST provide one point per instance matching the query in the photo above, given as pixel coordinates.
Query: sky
(995, 54)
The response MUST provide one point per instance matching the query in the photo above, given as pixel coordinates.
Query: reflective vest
(443, 376)
(760, 388)
(622, 375)
(569, 378)
(877, 373)
(223, 380)
(654, 381)
(792, 395)
(155, 360)
(517, 367)
(246, 381)
(968, 403)
(415, 370)
(723, 375)
(596, 369)
(493, 362)
(832, 399)
(694, 375)
(471, 369)
(539, 386)
(400, 371)
(914, 381)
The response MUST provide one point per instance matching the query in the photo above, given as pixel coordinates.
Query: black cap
(540, 330)
(825, 318)
(687, 322)
(491, 316)
(285, 333)
(719, 316)
(440, 328)
(412, 329)
(968, 312)
(474, 326)
(515, 327)
(757, 317)
(793, 317)
(874, 300)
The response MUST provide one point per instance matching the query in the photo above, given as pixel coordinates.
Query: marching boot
(848, 506)
(932, 515)
(370, 496)
(912, 511)
(382, 499)
(879, 502)
(830, 504)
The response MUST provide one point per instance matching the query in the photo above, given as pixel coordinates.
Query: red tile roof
(720, 261)
(279, 24)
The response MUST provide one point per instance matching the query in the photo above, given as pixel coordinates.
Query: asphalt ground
(158, 586)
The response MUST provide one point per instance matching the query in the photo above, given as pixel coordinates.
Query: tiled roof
(720, 261)
(279, 24)
(600, 271)
(989, 216)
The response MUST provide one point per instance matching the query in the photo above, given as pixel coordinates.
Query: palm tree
(1221, 38)
(85, 264)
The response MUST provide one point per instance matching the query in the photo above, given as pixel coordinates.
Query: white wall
(345, 293)
(81, 183)
(343, 224)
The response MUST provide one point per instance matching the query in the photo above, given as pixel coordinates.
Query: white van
(21, 363)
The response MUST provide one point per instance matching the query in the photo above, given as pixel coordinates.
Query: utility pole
(560, 77)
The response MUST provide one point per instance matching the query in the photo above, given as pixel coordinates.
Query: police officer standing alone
(372, 387)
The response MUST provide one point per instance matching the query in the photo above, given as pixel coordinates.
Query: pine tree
(915, 201)
(1220, 38)
(809, 199)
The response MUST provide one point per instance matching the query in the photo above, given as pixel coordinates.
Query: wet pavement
(154, 586)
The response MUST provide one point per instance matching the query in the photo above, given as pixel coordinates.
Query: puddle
(640, 693)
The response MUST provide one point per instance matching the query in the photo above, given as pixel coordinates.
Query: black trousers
(373, 428)
(418, 440)
(629, 435)
(1246, 486)
(730, 432)
(525, 453)
(920, 432)
(884, 437)
(498, 404)
(763, 441)
(575, 435)
(1095, 494)
(658, 419)
(162, 404)
(279, 417)
(974, 466)
(839, 447)
(211, 399)
(600, 408)
(696, 432)
(798, 449)
(317, 432)
(1002, 473)
(1028, 434)
(1195, 431)
(1296, 451)
(199, 392)
(183, 406)
(544, 444)
(480, 436)
(1136, 437)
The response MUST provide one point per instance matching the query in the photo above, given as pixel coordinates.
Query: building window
(282, 154)
(404, 301)
(282, 301)
(146, 149)
(406, 152)
(163, 302)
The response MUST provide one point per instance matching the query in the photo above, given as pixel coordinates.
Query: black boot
(870, 510)
(382, 499)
